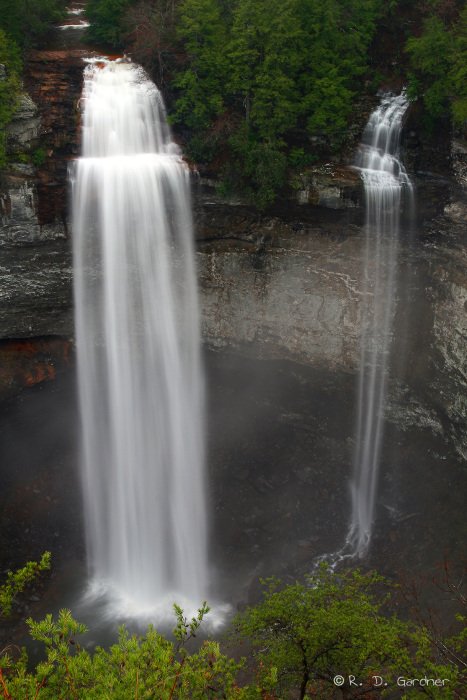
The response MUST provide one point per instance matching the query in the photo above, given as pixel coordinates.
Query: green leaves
(302, 636)
(439, 68)
(27, 22)
(335, 624)
(106, 17)
(10, 86)
(147, 666)
(283, 71)
(18, 580)
(186, 629)
(201, 83)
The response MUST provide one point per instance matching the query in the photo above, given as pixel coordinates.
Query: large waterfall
(384, 178)
(138, 344)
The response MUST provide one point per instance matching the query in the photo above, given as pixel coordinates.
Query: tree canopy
(438, 59)
(10, 84)
(264, 77)
(106, 18)
(331, 632)
(259, 87)
(27, 22)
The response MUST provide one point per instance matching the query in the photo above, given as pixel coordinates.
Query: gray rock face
(18, 214)
(24, 129)
(35, 266)
(449, 298)
(293, 299)
(329, 186)
(36, 286)
(284, 288)
(459, 161)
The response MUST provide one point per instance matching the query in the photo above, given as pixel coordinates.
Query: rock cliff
(285, 284)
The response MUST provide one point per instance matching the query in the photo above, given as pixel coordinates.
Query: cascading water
(137, 329)
(384, 178)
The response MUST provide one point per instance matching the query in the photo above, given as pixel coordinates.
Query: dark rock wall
(36, 294)
(35, 268)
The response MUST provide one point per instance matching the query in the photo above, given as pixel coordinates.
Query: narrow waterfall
(384, 178)
(138, 344)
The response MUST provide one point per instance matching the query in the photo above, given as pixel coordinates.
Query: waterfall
(138, 345)
(384, 178)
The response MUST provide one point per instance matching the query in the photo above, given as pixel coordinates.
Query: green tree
(263, 77)
(201, 83)
(28, 22)
(16, 581)
(303, 636)
(148, 666)
(264, 59)
(458, 71)
(430, 57)
(438, 76)
(338, 35)
(10, 85)
(336, 625)
(107, 18)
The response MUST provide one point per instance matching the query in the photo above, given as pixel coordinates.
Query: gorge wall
(285, 284)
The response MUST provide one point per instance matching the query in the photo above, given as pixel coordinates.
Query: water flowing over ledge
(137, 327)
(384, 177)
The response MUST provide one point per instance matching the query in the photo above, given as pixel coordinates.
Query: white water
(384, 179)
(139, 370)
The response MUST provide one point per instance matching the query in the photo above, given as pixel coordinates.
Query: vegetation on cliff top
(438, 73)
(259, 87)
(306, 639)
(28, 22)
(10, 85)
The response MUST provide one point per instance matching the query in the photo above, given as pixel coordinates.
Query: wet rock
(23, 130)
(459, 161)
(36, 291)
(333, 187)
(456, 211)
(35, 273)
(20, 222)
(450, 333)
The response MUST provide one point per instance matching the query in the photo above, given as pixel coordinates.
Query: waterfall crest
(384, 179)
(138, 344)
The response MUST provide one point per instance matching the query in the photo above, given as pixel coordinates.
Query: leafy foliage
(10, 85)
(106, 18)
(141, 667)
(17, 581)
(439, 67)
(335, 625)
(263, 77)
(259, 87)
(28, 22)
(302, 636)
